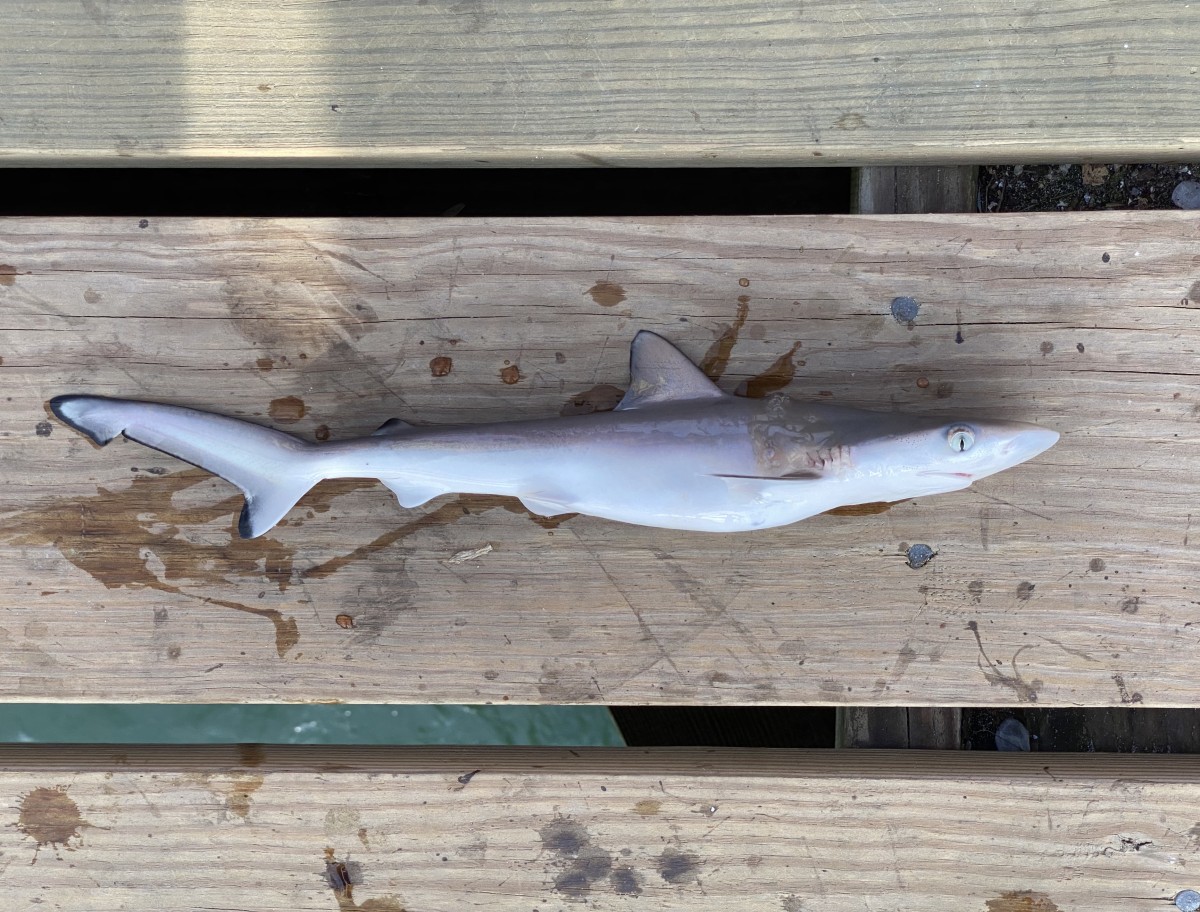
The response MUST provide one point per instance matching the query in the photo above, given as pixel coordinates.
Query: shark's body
(676, 453)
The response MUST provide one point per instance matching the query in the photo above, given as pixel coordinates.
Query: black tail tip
(56, 406)
(244, 528)
(68, 410)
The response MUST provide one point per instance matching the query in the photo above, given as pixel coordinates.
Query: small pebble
(905, 309)
(920, 555)
(1186, 194)
(1012, 736)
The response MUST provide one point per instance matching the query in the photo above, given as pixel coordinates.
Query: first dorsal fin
(659, 372)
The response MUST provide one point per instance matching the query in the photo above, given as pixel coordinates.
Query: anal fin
(543, 506)
(412, 494)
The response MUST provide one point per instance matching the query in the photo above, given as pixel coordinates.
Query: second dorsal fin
(393, 427)
(659, 372)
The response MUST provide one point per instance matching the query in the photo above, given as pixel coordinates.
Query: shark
(676, 453)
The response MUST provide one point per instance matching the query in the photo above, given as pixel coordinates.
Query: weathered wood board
(547, 82)
(288, 829)
(888, 191)
(1068, 581)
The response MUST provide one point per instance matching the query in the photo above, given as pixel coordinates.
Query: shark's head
(946, 456)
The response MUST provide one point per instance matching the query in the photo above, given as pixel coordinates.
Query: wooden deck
(1068, 581)
(546, 82)
(391, 830)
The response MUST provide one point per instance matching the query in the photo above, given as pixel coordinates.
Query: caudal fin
(273, 469)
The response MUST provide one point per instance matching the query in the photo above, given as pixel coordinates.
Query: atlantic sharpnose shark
(676, 453)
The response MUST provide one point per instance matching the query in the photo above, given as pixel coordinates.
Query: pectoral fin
(793, 488)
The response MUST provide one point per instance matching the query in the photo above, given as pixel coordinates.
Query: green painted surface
(221, 724)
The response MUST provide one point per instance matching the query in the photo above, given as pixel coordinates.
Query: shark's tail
(273, 469)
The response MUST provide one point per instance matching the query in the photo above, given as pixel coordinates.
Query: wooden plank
(887, 190)
(1068, 581)
(918, 727)
(548, 82)
(286, 829)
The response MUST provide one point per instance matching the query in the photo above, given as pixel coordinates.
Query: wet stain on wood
(511, 374)
(345, 621)
(341, 877)
(716, 359)
(851, 121)
(1021, 901)
(873, 508)
(647, 807)
(441, 366)
(573, 682)
(50, 817)
(265, 364)
(238, 799)
(994, 674)
(321, 432)
(781, 372)
(583, 863)
(625, 881)
(601, 398)
(607, 294)
(315, 310)
(119, 536)
(287, 409)
(8, 275)
(677, 867)
(1025, 590)
(450, 512)
(251, 754)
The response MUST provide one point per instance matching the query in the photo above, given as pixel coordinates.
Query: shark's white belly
(696, 475)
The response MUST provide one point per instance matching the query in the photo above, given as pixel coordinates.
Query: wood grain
(548, 82)
(1068, 581)
(288, 829)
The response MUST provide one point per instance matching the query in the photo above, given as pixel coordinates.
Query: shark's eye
(960, 438)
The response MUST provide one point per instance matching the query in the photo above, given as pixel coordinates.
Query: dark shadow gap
(317, 192)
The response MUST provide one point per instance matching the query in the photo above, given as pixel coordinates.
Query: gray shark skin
(676, 453)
